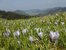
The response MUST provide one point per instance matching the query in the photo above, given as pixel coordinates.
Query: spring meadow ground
(22, 33)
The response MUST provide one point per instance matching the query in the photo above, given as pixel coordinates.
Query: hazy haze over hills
(41, 12)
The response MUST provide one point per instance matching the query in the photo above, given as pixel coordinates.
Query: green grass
(45, 23)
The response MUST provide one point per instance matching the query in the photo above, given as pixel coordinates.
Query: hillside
(33, 33)
(20, 12)
(25, 14)
(12, 15)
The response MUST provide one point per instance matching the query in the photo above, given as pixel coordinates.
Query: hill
(12, 15)
(33, 33)
(25, 14)
(39, 12)
(20, 12)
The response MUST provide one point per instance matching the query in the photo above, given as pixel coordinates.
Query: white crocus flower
(56, 23)
(8, 30)
(18, 42)
(17, 33)
(24, 31)
(51, 35)
(57, 35)
(7, 33)
(31, 39)
(62, 23)
(40, 34)
(54, 36)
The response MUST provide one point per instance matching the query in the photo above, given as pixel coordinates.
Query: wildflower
(54, 36)
(40, 34)
(31, 39)
(18, 42)
(17, 33)
(24, 31)
(57, 35)
(62, 23)
(6, 33)
(56, 23)
(8, 30)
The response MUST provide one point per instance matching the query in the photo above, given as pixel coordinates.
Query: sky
(11, 5)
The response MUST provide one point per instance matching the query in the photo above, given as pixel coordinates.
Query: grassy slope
(46, 23)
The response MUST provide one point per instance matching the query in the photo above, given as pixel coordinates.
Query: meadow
(27, 37)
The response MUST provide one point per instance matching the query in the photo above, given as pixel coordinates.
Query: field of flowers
(33, 33)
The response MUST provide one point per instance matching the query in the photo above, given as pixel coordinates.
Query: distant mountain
(39, 12)
(33, 11)
(20, 12)
(52, 11)
(12, 15)
(25, 14)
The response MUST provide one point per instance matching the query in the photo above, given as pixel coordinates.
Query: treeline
(12, 15)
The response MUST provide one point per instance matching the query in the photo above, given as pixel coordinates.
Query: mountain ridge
(41, 12)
